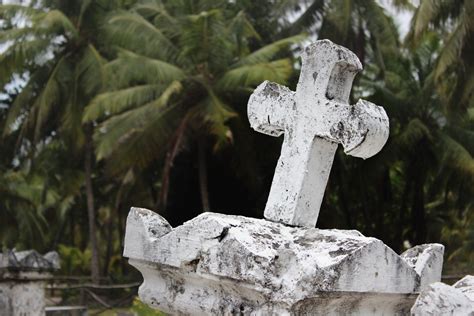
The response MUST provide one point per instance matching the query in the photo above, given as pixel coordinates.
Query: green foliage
(74, 261)
(202, 53)
(157, 91)
(142, 309)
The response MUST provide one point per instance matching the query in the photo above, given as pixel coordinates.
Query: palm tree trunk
(109, 246)
(110, 229)
(402, 212)
(90, 205)
(173, 151)
(203, 174)
(418, 210)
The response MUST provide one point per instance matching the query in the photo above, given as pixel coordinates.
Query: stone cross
(315, 119)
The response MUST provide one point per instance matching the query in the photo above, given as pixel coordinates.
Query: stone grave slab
(225, 264)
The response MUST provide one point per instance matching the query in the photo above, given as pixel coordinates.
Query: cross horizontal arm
(362, 129)
(269, 107)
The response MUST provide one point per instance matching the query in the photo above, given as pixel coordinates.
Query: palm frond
(310, 16)
(90, 71)
(117, 130)
(253, 74)
(241, 27)
(451, 49)
(266, 53)
(55, 22)
(50, 95)
(115, 102)
(412, 134)
(380, 24)
(214, 114)
(84, 6)
(424, 15)
(454, 155)
(463, 136)
(19, 56)
(340, 15)
(9, 11)
(204, 40)
(17, 112)
(130, 68)
(157, 12)
(122, 29)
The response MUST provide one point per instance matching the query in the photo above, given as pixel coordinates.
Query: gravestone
(228, 264)
(23, 275)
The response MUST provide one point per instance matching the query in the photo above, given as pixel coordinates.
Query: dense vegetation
(109, 104)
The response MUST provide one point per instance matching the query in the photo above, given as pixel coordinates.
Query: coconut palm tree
(429, 152)
(179, 68)
(454, 72)
(55, 44)
(360, 25)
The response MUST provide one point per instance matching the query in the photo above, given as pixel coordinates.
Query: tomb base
(225, 264)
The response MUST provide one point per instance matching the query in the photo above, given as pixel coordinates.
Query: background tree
(55, 43)
(110, 104)
(177, 83)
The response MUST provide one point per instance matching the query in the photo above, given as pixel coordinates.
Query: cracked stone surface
(314, 120)
(427, 260)
(442, 299)
(225, 264)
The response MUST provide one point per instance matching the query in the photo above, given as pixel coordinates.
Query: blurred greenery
(109, 104)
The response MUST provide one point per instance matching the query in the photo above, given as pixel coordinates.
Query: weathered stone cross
(314, 119)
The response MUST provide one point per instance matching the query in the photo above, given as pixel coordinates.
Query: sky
(402, 18)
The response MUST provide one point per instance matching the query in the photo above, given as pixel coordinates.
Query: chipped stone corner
(143, 227)
(427, 261)
(442, 299)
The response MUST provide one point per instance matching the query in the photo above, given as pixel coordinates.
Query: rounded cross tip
(327, 48)
(373, 124)
(268, 108)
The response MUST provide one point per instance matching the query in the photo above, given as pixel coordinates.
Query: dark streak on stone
(223, 234)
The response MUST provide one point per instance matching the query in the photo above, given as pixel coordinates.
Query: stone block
(223, 264)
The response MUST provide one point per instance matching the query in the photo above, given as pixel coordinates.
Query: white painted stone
(138, 236)
(441, 299)
(427, 260)
(224, 264)
(22, 298)
(22, 281)
(466, 285)
(314, 120)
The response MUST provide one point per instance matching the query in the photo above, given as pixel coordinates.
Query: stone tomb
(225, 264)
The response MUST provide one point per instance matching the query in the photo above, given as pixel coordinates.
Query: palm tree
(454, 72)
(423, 139)
(179, 68)
(360, 25)
(56, 45)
